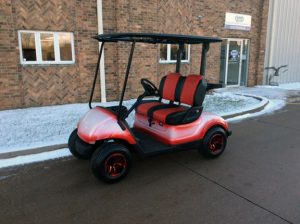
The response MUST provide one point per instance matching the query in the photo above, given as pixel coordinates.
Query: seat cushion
(168, 86)
(184, 117)
(193, 90)
(146, 105)
(162, 114)
(189, 90)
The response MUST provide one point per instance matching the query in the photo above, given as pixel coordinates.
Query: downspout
(269, 40)
(102, 68)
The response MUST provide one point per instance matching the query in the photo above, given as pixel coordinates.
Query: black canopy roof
(154, 38)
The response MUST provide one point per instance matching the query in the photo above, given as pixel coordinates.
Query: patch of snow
(290, 86)
(226, 103)
(276, 96)
(24, 129)
(262, 91)
(284, 86)
(270, 108)
(33, 158)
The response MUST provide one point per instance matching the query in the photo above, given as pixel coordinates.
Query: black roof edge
(154, 38)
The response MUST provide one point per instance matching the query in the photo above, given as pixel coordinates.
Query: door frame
(240, 63)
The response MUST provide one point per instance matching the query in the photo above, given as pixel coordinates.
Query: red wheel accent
(115, 164)
(216, 143)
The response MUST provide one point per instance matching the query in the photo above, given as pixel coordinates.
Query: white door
(234, 62)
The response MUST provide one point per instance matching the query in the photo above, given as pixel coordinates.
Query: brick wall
(10, 80)
(36, 85)
(25, 86)
(174, 16)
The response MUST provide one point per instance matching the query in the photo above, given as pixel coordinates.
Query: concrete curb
(294, 100)
(294, 97)
(32, 151)
(8, 155)
(260, 107)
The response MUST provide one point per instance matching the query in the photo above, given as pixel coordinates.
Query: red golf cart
(170, 122)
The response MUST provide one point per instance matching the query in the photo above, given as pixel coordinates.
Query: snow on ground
(23, 129)
(290, 86)
(272, 106)
(275, 95)
(263, 91)
(225, 103)
(43, 126)
(286, 86)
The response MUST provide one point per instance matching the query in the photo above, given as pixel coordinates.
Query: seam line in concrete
(231, 191)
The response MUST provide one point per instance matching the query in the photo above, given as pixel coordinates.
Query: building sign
(234, 55)
(236, 21)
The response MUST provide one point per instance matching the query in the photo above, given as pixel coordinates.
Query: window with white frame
(42, 47)
(168, 53)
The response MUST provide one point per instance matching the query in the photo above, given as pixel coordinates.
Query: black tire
(214, 142)
(111, 162)
(87, 154)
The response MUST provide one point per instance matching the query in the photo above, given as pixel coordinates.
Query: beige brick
(26, 86)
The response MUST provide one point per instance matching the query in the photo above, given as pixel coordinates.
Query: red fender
(100, 124)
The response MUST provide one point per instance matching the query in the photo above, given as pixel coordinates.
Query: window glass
(65, 47)
(163, 52)
(174, 48)
(47, 43)
(28, 47)
(42, 47)
(174, 52)
(184, 55)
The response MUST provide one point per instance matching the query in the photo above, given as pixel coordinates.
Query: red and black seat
(167, 90)
(189, 90)
(191, 95)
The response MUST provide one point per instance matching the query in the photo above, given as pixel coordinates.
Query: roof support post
(205, 48)
(96, 74)
(179, 56)
(126, 78)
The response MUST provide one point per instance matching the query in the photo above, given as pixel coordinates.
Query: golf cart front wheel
(111, 162)
(78, 148)
(214, 142)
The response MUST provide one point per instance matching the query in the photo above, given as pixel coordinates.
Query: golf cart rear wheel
(74, 142)
(214, 142)
(111, 162)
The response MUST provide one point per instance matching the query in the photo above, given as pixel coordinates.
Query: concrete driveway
(256, 180)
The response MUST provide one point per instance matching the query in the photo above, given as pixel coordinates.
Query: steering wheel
(149, 87)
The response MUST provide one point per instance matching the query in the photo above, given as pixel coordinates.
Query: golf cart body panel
(179, 134)
(101, 124)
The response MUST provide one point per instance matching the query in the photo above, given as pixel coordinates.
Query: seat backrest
(168, 86)
(193, 90)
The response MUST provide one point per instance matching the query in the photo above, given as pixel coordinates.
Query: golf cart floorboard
(149, 145)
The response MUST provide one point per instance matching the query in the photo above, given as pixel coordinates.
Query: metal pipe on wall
(102, 68)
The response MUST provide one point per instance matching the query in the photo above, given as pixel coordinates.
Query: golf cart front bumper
(83, 147)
